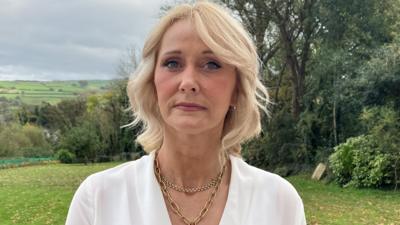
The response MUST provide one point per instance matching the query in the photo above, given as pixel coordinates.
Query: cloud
(62, 39)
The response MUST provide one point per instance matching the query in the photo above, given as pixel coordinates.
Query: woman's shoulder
(265, 181)
(267, 190)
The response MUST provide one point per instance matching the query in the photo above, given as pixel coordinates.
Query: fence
(17, 162)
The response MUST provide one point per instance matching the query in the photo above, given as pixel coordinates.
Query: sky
(71, 39)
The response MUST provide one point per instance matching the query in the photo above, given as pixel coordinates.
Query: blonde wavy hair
(231, 43)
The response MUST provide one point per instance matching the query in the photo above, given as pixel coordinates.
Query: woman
(197, 94)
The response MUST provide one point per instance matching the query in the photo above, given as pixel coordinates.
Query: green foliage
(12, 141)
(380, 77)
(28, 141)
(341, 161)
(371, 168)
(279, 150)
(83, 141)
(35, 135)
(383, 123)
(359, 163)
(370, 160)
(88, 126)
(63, 116)
(65, 156)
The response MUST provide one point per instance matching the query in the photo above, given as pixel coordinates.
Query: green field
(35, 92)
(41, 195)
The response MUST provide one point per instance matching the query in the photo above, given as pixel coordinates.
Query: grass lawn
(331, 204)
(41, 195)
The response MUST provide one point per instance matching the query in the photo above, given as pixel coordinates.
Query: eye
(171, 64)
(212, 65)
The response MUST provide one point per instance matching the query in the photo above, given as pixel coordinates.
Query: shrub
(371, 169)
(65, 156)
(341, 161)
(28, 140)
(12, 140)
(358, 162)
(35, 135)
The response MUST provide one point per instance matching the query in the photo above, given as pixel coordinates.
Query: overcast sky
(70, 39)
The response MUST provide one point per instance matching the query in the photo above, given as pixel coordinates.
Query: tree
(63, 116)
(83, 141)
(314, 53)
(283, 32)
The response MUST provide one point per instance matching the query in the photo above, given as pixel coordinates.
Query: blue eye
(171, 64)
(212, 66)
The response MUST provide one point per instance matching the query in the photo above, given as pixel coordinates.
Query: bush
(35, 135)
(341, 161)
(12, 140)
(358, 162)
(65, 156)
(28, 141)
(371, 169)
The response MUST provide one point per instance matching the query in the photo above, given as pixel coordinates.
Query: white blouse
(130, 195)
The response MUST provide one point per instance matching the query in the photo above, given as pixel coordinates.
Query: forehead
(180, 36)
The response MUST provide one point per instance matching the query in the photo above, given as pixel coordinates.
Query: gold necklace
(212, 183)
(174, 206)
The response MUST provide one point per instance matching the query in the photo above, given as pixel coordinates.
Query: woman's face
(194, 88)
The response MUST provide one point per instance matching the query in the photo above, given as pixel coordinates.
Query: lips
(187, 106)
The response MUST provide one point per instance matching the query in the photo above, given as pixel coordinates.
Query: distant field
(35, 92)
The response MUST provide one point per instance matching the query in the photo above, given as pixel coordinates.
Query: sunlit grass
(38, 195)
(331, 204)
(41, 194)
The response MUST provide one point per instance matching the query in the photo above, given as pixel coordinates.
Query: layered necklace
(165, 184)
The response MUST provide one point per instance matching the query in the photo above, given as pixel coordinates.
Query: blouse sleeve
(291, 204)
(81, 209)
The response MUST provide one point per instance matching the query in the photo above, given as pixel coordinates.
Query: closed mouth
(189, 106)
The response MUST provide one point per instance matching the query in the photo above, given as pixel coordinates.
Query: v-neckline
(231, 205)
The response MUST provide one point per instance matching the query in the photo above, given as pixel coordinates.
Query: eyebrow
(174, 52)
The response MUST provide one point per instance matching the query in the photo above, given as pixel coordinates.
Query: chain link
(174, 206)
(205, 187)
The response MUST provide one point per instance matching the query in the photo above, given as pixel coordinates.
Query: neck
(190, 160)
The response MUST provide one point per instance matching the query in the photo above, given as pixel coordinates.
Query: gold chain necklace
(205, 187)
(175, 207)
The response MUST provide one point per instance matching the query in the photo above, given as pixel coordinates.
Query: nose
(189, 83)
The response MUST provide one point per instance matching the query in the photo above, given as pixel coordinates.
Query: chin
(188, 127)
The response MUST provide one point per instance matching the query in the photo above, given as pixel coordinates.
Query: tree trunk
(396, 180)
(279, 83)
(334, 123)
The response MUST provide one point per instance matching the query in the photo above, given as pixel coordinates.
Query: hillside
(35, 92)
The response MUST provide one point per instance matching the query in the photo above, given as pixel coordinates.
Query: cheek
(164, 86)
(220, 95)
(225, 89)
